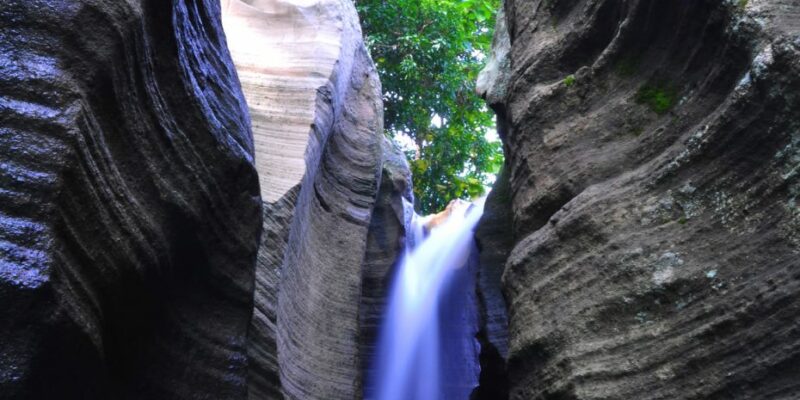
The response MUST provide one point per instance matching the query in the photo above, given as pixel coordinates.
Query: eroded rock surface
(284, 51)
(262, 351)
(653, 158)
(129, 202)
(320, 288)
(315, 101)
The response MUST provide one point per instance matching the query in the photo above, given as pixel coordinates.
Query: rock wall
(129, 202)
(494, 240)
(653, 151)
(494, 235)
(315, 101)
(132, 210)
(262, 351)
(386, 242)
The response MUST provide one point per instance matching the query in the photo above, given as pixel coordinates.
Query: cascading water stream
(426, 349)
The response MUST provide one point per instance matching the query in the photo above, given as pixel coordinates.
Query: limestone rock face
(653, 159)
(317, 113)
(129, 202)
(285, 51)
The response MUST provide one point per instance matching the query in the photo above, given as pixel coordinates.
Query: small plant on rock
(569, 80)
(742, 4)
(660, 97)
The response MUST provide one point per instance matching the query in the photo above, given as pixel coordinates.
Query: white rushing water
(426, 349)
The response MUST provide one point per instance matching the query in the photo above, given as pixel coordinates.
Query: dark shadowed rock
(653, 152)
(129, 203)
(386, 243)
(494, 240)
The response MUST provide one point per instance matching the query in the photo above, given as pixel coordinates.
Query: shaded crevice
(494, 239)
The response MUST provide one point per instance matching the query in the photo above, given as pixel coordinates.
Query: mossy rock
(660, 98)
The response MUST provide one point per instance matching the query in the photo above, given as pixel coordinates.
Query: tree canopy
(428, 54)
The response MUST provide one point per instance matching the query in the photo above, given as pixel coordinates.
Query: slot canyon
(198, 200)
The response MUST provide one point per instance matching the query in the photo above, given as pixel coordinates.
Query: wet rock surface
(129, 203)
(652, 153)
(386, 243)
(494, 241)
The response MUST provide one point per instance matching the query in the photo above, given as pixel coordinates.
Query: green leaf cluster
(569, 80)
(428, 54)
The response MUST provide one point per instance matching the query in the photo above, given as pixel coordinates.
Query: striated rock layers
(315, 102)
(129, 202)
(653, 161)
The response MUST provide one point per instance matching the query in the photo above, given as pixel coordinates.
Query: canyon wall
(642, 241)
(332, 188)
(129, 202)
(134, 191)
(653, 174)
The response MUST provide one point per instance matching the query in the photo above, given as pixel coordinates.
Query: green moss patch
(660, 97)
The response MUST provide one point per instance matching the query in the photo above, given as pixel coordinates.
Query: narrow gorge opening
(202, 199)
(426, 340)
(428, 55)
(422, 306)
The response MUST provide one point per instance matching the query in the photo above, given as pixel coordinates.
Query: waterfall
(427, 348)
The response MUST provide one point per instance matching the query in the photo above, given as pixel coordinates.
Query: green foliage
(742, 4)
(569, 80)
(659, 98)
(428, 54)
